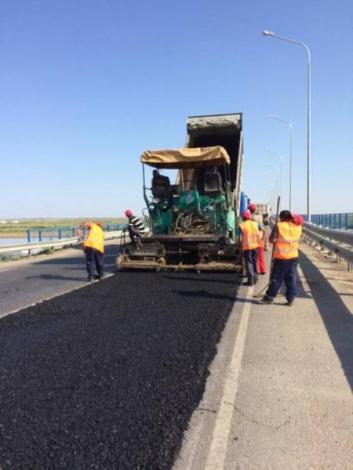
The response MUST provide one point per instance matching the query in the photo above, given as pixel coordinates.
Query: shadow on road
(236, 280)
(56, 277)
(204, 294)
(300, 287)
(111, 252)
(336, 316)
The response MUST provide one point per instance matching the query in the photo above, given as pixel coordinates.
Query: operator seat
(161, 187)
(212, 183)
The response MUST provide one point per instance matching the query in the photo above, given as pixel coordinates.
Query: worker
(93, 247)
(285, 236)
(250, 242)
(136, 227)
(261, 261)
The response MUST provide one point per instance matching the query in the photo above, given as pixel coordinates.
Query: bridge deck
(279, 394)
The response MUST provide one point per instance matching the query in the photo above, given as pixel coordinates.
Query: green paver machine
(193, 221)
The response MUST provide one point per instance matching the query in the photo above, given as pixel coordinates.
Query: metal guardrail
(342, 236)
(332, 240)
(30, 247)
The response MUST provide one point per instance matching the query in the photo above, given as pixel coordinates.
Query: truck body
(193, 222)
(225, 130)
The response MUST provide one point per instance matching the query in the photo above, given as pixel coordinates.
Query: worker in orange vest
(250, 242)
(261, 262)
(93, 247)
(285, 236)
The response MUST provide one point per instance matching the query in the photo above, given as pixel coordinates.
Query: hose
(192, 223)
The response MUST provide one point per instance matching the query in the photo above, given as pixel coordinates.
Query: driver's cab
(186, 191)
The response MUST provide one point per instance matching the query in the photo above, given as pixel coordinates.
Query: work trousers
(284, 270)
(133, 233)
(94, 263)
(250, 258)
(261, 262)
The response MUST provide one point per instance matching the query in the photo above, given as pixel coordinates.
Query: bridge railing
(38, 247)
(59, 233)
(341, 221)
(339, 242)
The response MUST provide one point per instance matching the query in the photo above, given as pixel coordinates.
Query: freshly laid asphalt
(107, 376)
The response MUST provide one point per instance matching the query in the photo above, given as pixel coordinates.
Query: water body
(22, 240)
(12, 241)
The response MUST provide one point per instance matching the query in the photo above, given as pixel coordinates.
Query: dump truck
(192, 218)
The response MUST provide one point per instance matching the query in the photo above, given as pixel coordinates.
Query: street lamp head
(268, 33)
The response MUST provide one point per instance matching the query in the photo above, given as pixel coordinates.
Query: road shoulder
(294, 404)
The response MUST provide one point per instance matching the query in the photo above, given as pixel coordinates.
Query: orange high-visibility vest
(95, 238)
(250, 235)
(286, 245)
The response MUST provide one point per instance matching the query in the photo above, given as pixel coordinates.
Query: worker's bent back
(95, 238)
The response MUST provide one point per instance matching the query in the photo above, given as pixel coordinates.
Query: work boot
(289, 303)
(265, 300)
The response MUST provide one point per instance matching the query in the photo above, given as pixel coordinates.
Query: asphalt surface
(45, 276)
(108, 376)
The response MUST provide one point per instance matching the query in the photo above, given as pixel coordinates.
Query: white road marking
(218, 449)
(304, 281)
(72, 289)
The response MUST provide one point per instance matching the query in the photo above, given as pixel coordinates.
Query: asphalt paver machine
(192, 218)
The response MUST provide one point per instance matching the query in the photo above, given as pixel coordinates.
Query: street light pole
(290, 127)
(293, 41)
(279, 167)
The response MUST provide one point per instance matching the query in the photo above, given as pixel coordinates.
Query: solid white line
(304, 281)
(72, 289)
(219, 444)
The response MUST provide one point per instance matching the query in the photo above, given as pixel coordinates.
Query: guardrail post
(29, 238)
(59, 233)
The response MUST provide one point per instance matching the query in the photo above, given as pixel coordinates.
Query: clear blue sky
(86, 86)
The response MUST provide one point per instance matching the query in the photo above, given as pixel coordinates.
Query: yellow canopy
(186, 157)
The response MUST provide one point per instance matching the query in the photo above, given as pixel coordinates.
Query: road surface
(107, 376)
(26, 282)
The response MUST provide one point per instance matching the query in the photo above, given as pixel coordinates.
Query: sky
(87, 85)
